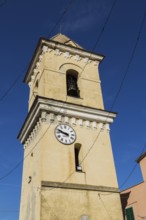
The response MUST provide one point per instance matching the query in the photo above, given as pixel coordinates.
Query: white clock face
(65, 134)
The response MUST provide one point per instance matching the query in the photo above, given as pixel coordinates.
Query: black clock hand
(63, 132)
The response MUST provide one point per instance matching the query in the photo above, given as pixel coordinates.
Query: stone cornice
(46, 184)
(46, 110)
(68, 51)
(73, 50)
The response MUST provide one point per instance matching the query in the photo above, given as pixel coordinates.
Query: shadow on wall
(124, 202)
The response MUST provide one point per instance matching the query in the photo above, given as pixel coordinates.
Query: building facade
(134, 198)
(68, 170)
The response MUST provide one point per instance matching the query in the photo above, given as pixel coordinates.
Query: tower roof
(61, 43)
(61, 38)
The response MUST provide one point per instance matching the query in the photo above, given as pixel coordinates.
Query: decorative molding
(87, 60)
(66, 120)
(44, 116)
(75, 186)
(52, 117)
(44, 49)
(40, 57)
(32, 134)
(57, 52)
(59, 118)
(107, 127)
(47, 46)
(94, 124)
(73, 121)
(77, 58)
(37, 64)
(95, 63)
(80, 121)
(49, 111)
(101, 127)
(67, 55)
(87, 124)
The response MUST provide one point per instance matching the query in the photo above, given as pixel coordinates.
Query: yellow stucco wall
(52, 80)
(71, 204)
(55, 162)
(56, 158)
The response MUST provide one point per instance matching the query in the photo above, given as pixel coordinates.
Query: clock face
(65, 134)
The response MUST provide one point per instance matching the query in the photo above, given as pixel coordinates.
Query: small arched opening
(72, 83)
(77, 150)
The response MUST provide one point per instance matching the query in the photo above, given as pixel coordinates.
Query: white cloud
(83, 17)
(87, 16)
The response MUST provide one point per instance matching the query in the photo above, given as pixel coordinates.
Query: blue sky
(21, 25)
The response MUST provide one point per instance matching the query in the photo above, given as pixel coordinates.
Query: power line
(17, 165)
(21, 161)
(122, 82)
(18, 77)
(104, 206)
(14, 83)
(117, 95)
(105, 24)
(132, 171)
(61, 17)
(100, 34)
(52, 211)
(65, 11)
(111, 107)
(130, 61)
(10, 88)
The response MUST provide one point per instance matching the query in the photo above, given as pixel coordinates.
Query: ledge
(63, 108)
(63, 47)
(79, 186)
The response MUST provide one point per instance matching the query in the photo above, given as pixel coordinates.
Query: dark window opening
(77, 161)
(29, 179)
(72, 86)
(129, 214)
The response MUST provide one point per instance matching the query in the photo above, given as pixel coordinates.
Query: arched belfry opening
(72, 83)
(77, 150)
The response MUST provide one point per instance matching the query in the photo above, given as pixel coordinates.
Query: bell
(72, 89)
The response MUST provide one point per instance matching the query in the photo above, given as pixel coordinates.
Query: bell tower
(68, 170)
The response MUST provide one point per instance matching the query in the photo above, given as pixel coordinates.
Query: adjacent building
(68, 170)
(134, 198)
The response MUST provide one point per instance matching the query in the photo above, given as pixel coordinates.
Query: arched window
(77, 157)
(71, 82)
